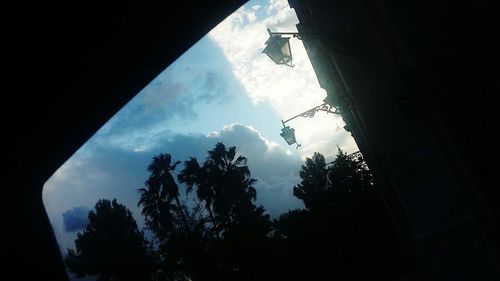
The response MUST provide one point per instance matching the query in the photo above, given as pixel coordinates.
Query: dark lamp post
(278, 47)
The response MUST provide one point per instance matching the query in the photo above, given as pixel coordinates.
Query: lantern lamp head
(288, 134)
(278, 49)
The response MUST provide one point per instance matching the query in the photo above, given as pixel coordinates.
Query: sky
(223, 89)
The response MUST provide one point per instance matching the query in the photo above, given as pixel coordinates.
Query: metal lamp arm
(311, 112)
(294, 34)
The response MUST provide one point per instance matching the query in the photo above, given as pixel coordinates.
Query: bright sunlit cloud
(290, 91)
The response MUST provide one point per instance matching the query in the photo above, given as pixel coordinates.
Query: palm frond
(241, 160)
(231, 153)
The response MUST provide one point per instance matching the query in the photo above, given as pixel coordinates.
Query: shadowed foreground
(216, 232)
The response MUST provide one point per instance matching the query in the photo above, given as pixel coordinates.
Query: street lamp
(288, 133)
(278, 50)
(278, 47)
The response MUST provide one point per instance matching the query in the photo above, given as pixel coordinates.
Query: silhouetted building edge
(397, 84)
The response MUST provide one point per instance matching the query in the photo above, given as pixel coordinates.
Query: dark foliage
(218, 233)
(161, 207)
(111, 247)
(224, 184)
(314, 181)
(345, 233)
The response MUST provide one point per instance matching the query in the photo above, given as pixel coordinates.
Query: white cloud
(213, 134)
(251, 17)
(98, 171)
(276, 170)
(238, 133)
(288, 90)
(276, 6)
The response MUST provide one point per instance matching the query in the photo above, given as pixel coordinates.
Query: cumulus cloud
(276, 170)
(75, 219)
(98, 171)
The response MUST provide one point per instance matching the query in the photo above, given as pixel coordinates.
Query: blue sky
(222, 89)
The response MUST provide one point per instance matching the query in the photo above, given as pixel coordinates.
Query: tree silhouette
(220, 234)
(160, 197)
(314, 181)
(224, 184)
(349, 172)
(345, 233)
(324, 184)
(192, 175)
(111, 247)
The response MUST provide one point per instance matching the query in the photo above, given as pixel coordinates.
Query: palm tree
(194, 175)
(160, 193)
(223, 183)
